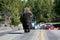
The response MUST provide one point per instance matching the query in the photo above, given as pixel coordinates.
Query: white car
(37, 26)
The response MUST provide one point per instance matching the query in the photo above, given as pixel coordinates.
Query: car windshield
(48, 25)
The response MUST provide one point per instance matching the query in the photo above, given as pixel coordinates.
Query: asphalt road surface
(33, 35)
(50, 35)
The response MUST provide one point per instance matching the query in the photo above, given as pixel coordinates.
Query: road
(33, 35)
(50, 35)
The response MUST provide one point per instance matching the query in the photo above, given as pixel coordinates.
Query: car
(37, 26)
(49, 27)
(42, 26)
(33, 25)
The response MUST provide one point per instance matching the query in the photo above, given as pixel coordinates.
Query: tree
(57, 9)
(11, 6)
(30, 3)
(44, 8)
(15, 12)
(21, 5)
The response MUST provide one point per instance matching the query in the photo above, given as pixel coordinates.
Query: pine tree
(57, 10)
(42, 9)
(12, 6)
(30, 4)
(45, 9)
(15, 12)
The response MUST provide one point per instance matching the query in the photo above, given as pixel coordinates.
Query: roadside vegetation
(43, 10)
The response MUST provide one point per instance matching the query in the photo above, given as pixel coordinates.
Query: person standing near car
(26, 19)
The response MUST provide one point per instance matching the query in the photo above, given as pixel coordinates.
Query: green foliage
(21, 5)
(57, 9)
(12, 6)
(42, 10)
(1, 18)
(15, 12)
(30, 3)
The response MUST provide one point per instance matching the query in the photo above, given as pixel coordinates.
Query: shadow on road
(10, 32)
(16, 33)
